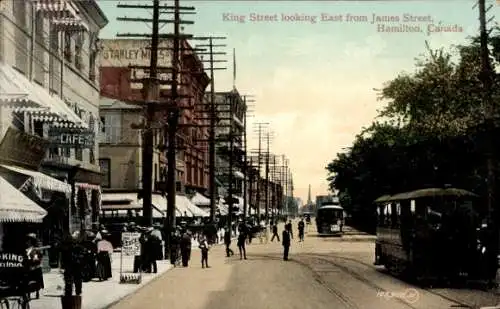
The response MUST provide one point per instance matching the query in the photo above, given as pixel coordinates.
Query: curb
(136, 291)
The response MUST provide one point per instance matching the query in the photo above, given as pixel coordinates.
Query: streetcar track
(318, 278)
(373, 285)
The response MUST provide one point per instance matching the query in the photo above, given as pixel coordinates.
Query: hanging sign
(69, 137)
(22, 149)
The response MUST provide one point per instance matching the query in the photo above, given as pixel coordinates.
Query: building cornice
(94, 10)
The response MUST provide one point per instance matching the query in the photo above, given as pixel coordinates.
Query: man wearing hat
(34, 262)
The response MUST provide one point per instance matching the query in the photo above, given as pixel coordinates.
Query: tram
(434, 234)
(330, 219)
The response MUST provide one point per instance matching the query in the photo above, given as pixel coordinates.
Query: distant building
(120, 73)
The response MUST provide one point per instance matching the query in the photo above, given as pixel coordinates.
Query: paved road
(323, 273)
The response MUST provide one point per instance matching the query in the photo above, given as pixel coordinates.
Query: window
(111, 129)
(54, 64)
(79, 153)
(38, 128)
(93, 50)
(21, 39)
(201, 182)
(79, 42)
(105, 165)
(38, 61)
(67, 47)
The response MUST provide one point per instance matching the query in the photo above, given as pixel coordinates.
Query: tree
(428, 117)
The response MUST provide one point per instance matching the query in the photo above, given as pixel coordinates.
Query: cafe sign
(71, 138)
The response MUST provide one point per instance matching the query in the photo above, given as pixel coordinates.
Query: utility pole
(172, 123)
(487, 77)
(268, 139)
(260, 130)
(250, 171)
(151, 97)
(231, 158)
(287, 206)
(213, 118)
(245, 157)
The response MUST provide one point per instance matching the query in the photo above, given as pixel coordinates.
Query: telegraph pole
(245, 157)
(213, 116)
(151, 97)
(231, 158)
(260, 131)
(173, 121)
(487, 77)
(268, 138)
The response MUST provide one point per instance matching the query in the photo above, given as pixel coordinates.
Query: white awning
(185, 203)
(41, 180)
(200, 200)
(17, 207)
(120, 201)
(16, 88)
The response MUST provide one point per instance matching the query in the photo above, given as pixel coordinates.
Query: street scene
(265, 154)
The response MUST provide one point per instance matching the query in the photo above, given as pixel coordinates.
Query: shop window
(67, 152)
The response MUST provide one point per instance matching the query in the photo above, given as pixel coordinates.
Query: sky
(314, 81)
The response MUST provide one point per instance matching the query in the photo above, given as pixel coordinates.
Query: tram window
(388, 211)
(381, 215)
(412, 206)
(395, 214)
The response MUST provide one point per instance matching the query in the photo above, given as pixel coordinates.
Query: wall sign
(11, 260)
(68, 137)
(22, 149)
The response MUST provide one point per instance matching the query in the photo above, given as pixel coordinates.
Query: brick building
(118, 88)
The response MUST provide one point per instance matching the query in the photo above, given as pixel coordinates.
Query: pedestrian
(72, 260)
(35, 263)
(204, 252)
(185, 248)
(174, 247)
(286, 244)
(301, 227)
(289, 228)
(242, 236)
(227, 242)
(275, 233)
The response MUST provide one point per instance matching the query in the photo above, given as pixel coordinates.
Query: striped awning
(17, 207)
(56, 8)
(33, 98)
(87, 186)
(41, 180)
(71, 24)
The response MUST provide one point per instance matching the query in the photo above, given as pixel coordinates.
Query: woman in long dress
(35, 273)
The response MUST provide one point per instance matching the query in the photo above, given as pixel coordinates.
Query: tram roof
(429, 192)
(331, 207)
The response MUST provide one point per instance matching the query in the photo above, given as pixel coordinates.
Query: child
(204, 252)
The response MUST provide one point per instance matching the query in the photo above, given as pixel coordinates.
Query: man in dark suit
(286, 244)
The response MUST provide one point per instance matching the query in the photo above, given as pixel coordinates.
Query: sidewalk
(96, 295)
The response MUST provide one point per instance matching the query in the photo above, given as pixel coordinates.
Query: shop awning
(17, 207)
(16, 88)
(120, 201)
(200, 200)
(41, 180)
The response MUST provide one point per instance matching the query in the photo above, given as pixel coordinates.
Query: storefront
(35, 192)
(84, 181)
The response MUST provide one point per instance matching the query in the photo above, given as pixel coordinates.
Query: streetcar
(330, 219)
(433, 235)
